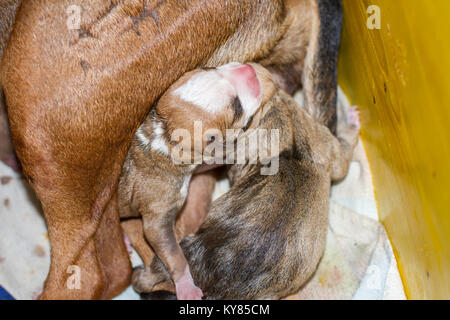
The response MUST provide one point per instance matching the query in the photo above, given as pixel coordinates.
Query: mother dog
(76, 97)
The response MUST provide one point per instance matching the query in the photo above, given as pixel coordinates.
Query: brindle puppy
(264, 238)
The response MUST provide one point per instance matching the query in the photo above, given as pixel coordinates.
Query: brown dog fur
(76, 97)
(264, 238)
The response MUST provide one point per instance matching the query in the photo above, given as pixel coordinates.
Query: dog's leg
(143, 279)
(112, 252)
(84, 248)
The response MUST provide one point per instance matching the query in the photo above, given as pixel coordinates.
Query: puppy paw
(142, 280)
(188, 291)
(353, 118)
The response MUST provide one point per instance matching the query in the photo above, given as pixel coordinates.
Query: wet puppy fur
(264, 238)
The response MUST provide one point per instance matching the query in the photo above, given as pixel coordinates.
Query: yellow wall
(400, 78)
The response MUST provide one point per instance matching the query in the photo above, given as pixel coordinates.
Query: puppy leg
(145, 279)
(194, 211)
(344, 145)
(189, 219)
(160, 233)
(135, 232)
(197, 204)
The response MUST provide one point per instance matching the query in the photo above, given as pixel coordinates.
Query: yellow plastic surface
(399, 76)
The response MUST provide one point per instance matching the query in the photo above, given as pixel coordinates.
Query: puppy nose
(242, 76)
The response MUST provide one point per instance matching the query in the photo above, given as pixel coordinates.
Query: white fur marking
(158, 143)
(142, 138)
(185, 187)
(207, 90)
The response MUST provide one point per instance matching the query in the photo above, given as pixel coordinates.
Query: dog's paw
(353, 118)
(188, 291)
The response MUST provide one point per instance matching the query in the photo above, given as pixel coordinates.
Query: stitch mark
(155, 15)
(108, 11)
(85, 65)
(137, 19)
(145, 13)
(84, 33)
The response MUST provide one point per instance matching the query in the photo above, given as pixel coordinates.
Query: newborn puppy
(154, 186)
(264, 238)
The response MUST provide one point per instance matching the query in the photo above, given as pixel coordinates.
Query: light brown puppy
(76, 97)
(153, 186)
(188, 220)
(264, 238)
